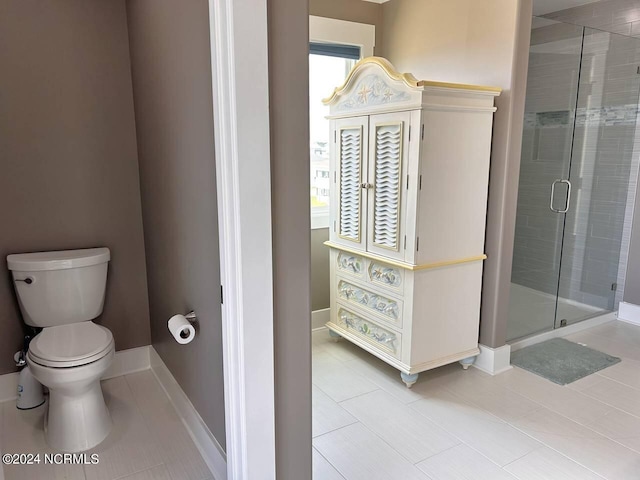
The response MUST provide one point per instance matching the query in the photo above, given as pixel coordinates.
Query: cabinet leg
(467, 362)
(334, 336)
(409, 379)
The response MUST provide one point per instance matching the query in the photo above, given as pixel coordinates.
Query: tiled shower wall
(604, 164)
(550, 100)
(615, 16)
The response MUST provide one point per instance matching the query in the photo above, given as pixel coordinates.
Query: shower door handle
(553, 189)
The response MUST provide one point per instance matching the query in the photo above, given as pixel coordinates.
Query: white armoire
(409, 172)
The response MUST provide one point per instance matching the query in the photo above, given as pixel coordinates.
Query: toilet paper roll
(181, 329)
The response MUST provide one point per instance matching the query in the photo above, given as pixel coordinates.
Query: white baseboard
(125, 361)
(493, 360)
(629, 312)
(129, 361)
(207, 444)
(563, 332)
(319, 318)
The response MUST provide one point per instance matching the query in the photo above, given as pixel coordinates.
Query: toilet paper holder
(182, 327)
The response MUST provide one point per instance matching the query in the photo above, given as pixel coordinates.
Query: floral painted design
(371, 331)
(372, 90)
(350, 263)
(386, 275)
(378, 303)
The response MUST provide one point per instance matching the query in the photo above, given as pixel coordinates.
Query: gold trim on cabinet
(446, 263)
(460, 86)
(407, 266)
(407, 78)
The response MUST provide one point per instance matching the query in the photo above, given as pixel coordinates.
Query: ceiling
(543, 7)
(540, 7)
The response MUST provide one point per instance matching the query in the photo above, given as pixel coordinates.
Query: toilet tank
(58, 288)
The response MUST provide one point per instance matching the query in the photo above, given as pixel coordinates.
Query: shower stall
(578, 174)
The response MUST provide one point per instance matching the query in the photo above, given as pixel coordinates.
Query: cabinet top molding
(374, 83)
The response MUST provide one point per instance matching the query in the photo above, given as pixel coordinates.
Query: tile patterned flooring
(453, 424)
(148, 440)
(466, 425)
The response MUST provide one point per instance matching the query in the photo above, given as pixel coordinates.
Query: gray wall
(68, 150)
(320, 294)
(484, 43)
(170, 58)
(352, 11)
(290, 165)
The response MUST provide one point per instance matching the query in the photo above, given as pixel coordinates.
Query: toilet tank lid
(60, 260)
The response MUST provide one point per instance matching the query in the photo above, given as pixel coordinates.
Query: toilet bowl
(70, 360)
(62, 292)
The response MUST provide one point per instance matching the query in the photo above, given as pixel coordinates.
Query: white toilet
(62, 292)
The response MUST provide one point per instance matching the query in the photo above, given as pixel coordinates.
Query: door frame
(239, 63)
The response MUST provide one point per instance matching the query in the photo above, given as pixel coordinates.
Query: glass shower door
(552, 89)
(602, 169)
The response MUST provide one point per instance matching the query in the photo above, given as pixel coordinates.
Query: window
(326, 72)
(334, 48)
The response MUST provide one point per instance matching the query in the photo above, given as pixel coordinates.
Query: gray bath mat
(561, 361)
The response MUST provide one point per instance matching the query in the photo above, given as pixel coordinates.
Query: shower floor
(532, 311)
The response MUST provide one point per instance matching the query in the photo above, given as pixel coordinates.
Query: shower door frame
(558, 323)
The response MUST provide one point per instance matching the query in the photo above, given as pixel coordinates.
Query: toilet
(62, 292)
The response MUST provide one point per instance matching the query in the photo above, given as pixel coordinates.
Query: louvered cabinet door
(388, 158)
(350, 170)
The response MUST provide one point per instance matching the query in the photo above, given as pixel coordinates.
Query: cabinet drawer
(387, 308)
(369, 331)
(350, 263)
(382, 274)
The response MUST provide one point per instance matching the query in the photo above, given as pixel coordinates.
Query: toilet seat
(71, 345)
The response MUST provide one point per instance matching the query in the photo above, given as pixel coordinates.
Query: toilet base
(78, 422)
(77, 418)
